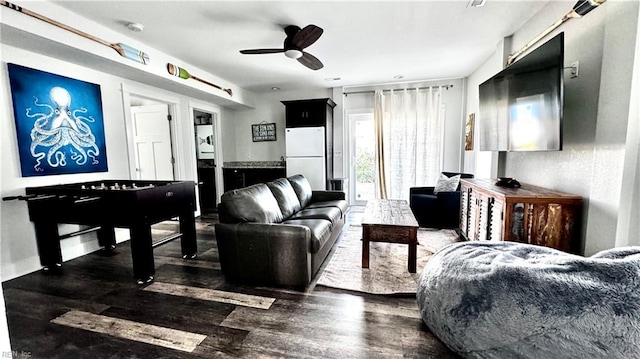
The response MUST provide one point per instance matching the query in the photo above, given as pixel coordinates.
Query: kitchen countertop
(254, 164)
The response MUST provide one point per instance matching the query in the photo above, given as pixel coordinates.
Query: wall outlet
(574, 69)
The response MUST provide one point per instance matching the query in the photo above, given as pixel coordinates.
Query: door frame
(173, 102)
(216, 122)
(351, 152)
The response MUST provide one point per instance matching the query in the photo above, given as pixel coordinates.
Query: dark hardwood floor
(94, 309)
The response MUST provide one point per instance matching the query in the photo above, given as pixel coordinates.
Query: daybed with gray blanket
(512, 300)
(277, 233)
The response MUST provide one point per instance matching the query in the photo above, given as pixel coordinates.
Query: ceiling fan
(297, 39)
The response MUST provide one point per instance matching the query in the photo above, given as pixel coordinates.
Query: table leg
(48, 240)
(413, 249)
(365, 247)
(413, 254)
(107, 237)
(188, 240)
(142, 253)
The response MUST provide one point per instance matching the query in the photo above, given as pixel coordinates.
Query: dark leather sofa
(437, 210)
(277, 233)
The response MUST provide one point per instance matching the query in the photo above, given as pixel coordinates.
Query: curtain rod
(446, 87)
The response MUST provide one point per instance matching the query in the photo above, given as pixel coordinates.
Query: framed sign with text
(263, 132)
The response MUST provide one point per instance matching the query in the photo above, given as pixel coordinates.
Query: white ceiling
(363, 42)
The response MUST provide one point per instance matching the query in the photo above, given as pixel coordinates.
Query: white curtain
(409, 131)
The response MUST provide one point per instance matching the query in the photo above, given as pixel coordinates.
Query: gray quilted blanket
(512, 300)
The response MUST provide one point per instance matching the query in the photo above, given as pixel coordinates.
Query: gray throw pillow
(447, 184)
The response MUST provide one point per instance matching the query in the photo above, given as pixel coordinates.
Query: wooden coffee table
(390, 221)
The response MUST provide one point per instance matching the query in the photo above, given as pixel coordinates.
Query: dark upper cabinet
(309, 113)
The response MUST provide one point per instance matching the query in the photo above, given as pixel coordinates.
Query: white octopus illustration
(61, 127)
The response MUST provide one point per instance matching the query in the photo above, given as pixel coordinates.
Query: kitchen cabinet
(235, 178)
(309, 113)
(529, 214)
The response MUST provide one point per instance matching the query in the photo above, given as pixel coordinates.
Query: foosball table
(104, 205)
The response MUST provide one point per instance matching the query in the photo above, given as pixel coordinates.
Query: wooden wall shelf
(529, 214)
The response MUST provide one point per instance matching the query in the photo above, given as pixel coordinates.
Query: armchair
(436, 210)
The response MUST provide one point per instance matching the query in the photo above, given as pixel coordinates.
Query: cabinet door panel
(494, 231)
(483, 217)
(473, 216)
(310, 114)
(464, 211)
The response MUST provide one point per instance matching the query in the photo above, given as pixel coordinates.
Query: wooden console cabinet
(529, 214)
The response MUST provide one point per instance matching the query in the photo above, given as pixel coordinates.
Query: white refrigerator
(305, 149)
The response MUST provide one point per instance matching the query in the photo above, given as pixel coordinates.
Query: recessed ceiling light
(476, 3)
(398, 77)
(134, 26)
(275, 88)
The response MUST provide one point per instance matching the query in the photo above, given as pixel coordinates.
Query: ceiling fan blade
(310, 61)
(261, 51)
(307, 36)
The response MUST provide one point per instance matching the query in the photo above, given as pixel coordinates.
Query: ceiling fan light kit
(293, 54)
(296, 41)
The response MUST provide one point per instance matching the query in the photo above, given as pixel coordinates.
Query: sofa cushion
(340, 204)
(302, 188)
(252, 204)
(285, 195)
(320, 231)
(332, 214)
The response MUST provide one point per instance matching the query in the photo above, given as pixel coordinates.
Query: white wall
(483, 164)
(5, 344)
(629, 211)
(238, 144)
(18, 252)
(596, 115)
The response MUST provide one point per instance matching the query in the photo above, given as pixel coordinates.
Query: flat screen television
(521, 106)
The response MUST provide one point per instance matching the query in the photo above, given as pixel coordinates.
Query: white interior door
(152, 142)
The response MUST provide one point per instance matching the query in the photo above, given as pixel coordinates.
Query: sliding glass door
(361, 157)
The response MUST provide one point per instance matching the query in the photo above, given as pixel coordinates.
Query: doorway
(205, 142)
(153, 149)
(361, 157)
(151, 134)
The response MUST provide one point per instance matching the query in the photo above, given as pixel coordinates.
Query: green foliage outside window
(365, 166)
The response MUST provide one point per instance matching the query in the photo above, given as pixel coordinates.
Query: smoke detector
(136, 27)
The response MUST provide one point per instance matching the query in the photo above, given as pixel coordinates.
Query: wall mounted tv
(521, 107)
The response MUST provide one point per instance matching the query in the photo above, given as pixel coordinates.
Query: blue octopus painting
(58, 122)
